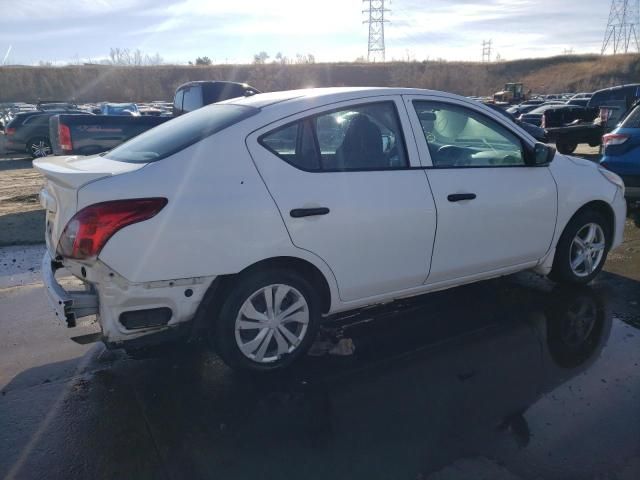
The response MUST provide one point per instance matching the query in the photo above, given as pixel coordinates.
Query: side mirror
(542, 154)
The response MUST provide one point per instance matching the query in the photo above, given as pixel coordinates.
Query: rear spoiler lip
(62, 171)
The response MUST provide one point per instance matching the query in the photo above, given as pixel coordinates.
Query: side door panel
(510, 222)
(378, 235)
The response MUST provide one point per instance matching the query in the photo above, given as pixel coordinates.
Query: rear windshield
(633, 119)
(179, 133)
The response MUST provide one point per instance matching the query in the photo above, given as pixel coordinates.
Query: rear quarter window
(179, 133)
(633, 119)
(192, 99)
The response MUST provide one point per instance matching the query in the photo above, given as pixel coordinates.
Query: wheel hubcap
(271, 323)
(587, 250)
(40, 149)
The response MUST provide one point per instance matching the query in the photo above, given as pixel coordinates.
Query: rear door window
(37, 120)
(362, 137)
(179, 133)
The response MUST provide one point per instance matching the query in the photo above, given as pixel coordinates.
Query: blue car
(622, 154)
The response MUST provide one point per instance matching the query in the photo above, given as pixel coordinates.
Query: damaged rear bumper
(68, 305)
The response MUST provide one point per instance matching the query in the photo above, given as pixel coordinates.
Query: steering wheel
(453, 155)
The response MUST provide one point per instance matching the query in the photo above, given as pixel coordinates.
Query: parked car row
(621, 154)
(66, 128)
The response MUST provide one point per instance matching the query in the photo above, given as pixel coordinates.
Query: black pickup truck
(78, 135)
(91, 134)
(570, 125)
(607, 106)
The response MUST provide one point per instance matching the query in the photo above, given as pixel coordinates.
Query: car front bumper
(68, 305)
(620, 212)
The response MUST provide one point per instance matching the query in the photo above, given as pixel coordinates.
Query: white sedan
(248, 221)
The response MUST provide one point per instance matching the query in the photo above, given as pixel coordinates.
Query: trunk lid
(64, 177)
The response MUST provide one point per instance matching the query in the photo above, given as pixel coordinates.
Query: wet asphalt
(512, 378)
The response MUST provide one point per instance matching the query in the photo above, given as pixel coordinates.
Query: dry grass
(95, 83)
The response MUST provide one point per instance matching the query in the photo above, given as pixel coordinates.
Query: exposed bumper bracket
(69, 305)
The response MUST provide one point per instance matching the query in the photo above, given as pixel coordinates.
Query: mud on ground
(21, 216)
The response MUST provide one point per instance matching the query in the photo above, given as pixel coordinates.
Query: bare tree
(260, 58)
(305, 59)
(126, 57)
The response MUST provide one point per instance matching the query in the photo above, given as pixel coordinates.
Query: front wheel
(582, 249)
(268, 319)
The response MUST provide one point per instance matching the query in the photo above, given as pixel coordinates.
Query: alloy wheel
(40, 149)
(587, 250)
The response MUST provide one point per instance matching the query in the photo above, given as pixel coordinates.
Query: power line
(486, 51)
(376, 21)
(622, 26)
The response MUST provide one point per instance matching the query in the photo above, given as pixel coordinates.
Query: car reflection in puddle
(431, 380)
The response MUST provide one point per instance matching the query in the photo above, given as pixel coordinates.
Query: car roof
(619, 87)
(330, 95)
(23, 115)
(276, 106)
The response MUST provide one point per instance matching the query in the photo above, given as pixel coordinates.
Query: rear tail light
(614, 139)
(543, 122)
(89, 229)
(64, 138)
(10, 131)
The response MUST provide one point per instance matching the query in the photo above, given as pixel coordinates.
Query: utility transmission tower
(376, 21)
(622, 27)
(486, 51)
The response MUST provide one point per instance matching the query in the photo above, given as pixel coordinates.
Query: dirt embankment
(99, 82)
(21, 216)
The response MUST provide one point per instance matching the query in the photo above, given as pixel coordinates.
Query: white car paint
(365, 262)
(389, 235)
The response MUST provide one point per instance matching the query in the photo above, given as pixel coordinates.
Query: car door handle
(308, 212)
(458, 197)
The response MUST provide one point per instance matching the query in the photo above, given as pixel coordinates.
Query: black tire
(37, 146)
(566, 148)
(561, 271)
(223, 332)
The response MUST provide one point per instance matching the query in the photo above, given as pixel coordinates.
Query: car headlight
(612, 177)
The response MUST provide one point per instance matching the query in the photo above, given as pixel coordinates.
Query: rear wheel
(582, 248)
(566, 148)
(268, 319)
(39, 147)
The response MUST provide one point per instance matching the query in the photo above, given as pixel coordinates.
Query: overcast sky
(332, 30)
